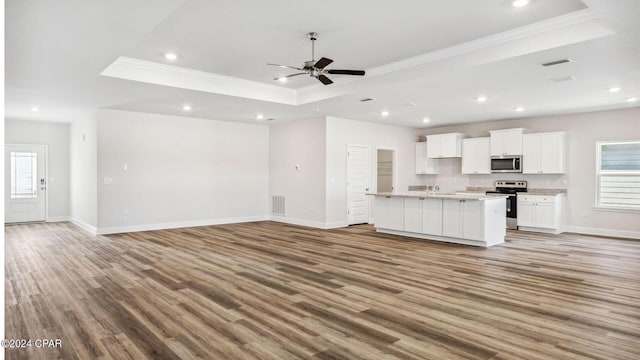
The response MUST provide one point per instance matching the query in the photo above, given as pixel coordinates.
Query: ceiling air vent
(557, 62)
(366, 99)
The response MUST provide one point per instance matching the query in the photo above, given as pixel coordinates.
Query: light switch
(108, 181)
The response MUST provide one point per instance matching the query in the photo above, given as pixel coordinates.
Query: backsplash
(450, 178)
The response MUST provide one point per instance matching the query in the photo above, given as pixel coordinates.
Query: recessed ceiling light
(614, 89)
(282, 79)
(170, 56)
(520, 3)
(519, 109)
(259, 116)
(632, 99)
(426, 120)
(563, 78)
(186, 107)
(481, 99)
(35, 109)
(384, 113)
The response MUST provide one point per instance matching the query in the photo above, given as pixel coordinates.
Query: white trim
(336, 225)
(58, 219)
(183, 78)
(616, 209)
(540, 230)
(441, 238)
(603, 232)
(309, 223)
(84, 226)
(176, 225)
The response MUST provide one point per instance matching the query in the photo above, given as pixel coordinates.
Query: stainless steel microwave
(508, 163)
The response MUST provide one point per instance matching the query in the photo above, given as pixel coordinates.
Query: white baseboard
(309, 223)
(603, 232)
(84, 226)
(336, 224)
(179, 224)
(58, 218)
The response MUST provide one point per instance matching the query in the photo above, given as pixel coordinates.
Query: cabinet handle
(388, 197)
(420, 198)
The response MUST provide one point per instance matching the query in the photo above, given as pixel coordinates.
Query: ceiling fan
(317, 69)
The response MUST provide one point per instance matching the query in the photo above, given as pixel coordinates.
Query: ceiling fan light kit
(315, 68)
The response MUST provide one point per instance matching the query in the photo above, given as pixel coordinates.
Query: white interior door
(25, 183)
(358, 175)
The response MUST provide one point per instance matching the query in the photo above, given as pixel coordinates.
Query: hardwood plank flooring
(267, 290)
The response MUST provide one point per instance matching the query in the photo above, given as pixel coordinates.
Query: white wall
(583, 130)
(342, 132)
(180, 171)
(299, 143)
(83, 172)
(56, 136)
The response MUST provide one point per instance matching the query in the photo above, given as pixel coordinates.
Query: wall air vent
(556, 62)
(562, 78)
(366, 99)
(277, 205)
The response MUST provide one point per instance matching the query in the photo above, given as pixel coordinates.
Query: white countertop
(458, 196)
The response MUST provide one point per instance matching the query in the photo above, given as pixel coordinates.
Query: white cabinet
(432, 216)
(544, 153)
(424, 165)
(423, 215)
(444, 145)
(476, 158)
(506, 142)
(389, 212)
(463, 219)
(540, 213)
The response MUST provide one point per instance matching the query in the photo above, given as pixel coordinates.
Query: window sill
(616, 209)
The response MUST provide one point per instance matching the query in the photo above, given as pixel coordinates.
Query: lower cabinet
(423, 215)
(463, 219)
(540, 211)
(388, 212)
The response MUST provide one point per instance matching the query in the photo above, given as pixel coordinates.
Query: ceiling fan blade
(346, 72)
(288, 76)
(322, 63)
(325, 80)
(285, 66)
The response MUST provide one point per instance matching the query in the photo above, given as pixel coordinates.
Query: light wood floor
(273, 291)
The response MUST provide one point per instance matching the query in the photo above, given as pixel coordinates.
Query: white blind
(619, 175)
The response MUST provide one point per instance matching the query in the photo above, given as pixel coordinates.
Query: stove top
(509, 187)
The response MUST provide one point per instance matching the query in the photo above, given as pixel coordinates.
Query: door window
(24, 175)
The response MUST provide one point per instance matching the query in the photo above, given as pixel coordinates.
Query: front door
(357, 184)
(25, 183)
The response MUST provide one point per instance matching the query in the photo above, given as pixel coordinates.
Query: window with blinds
(618, 170)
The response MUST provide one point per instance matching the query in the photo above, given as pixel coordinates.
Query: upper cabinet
(544, 153)
(506, 142)
(424, 165)
(475, 156)
(444, 145)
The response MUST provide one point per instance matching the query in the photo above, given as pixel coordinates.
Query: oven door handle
(514, 164)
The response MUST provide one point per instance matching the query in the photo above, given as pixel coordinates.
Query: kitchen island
(470, 219)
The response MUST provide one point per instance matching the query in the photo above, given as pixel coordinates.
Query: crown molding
(175, 76)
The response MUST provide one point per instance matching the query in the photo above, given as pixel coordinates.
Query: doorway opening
(386, 170)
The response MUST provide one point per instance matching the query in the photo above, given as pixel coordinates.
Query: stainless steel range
(510, 188)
